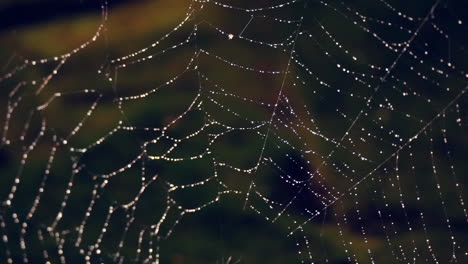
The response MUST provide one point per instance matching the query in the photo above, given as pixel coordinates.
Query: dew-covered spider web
(229, 131)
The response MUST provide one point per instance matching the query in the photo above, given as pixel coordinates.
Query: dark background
(394, 212)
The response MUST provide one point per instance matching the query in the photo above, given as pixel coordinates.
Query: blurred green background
(338, 63)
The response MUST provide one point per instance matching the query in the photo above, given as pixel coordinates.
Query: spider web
(239, 132)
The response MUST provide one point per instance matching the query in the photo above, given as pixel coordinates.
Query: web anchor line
(278, 98)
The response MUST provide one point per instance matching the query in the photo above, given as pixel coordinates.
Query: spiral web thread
(393, 136)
